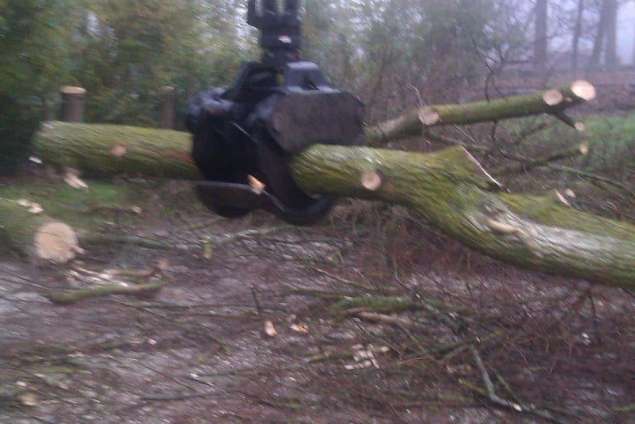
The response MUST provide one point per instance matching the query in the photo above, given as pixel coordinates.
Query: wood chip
(584, 148)
(71, 177)
(256, 185)
(28, 399)
(300, 328)
(36, 209)
(270, 329)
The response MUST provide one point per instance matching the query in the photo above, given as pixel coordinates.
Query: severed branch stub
(553, 102)
(372, 180)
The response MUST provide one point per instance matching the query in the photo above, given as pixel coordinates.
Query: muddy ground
(553, 350)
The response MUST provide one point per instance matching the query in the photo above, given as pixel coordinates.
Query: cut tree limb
(450, 189)
(36, 236)
(115, 150)
(413, 123)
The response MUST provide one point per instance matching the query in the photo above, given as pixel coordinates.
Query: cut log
(36, 236)
(449, 189)
(105, 150)
(413, 123)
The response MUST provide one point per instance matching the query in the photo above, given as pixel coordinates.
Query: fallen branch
(592, 177)
(76, 296)
(413, 123)
(386, 319)
(528, 165)
(490, 393)
(449, 189)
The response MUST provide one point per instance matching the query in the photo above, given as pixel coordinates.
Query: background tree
(35, 39)
(541, 40)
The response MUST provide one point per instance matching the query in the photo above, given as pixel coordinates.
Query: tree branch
(413, 123)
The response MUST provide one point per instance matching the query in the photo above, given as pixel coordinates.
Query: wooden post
(168, 108)
(73, 104)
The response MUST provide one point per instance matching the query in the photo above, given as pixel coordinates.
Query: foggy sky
(626, 33)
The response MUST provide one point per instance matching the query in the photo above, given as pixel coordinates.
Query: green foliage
(131, 48)
(612, 146)
(35, 39)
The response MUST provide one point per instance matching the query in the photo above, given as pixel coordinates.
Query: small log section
(449, 189)
(34, 235)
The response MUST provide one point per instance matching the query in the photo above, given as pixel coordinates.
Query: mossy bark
(415, 122)
(452, 192)
(105, 150)
(449, 189)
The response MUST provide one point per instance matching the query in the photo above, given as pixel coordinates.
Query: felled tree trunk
(449, 189)
(30, 233)
(453, 192)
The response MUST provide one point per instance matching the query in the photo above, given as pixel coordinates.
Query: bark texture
(105, 150)
(413, 123)
(452, 192)
(449, 189)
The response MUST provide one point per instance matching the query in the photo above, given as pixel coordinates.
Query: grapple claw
(275, 109)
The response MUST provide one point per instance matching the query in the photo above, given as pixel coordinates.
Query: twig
(386, 319)
(177, 397)
(592, 177)
(76, 296)
(256, 302)
(490, 392)
(531, 164)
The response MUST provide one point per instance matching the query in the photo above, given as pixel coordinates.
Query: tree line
(393, 53)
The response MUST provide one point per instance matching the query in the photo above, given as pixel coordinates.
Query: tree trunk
(34, 235)
(541, 40)
(577, 33)
(612, 60)
(449, 189)
(598, 43)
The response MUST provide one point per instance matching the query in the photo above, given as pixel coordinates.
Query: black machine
(275, 109)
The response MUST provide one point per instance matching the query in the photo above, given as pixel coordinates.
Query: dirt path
(198, 352)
